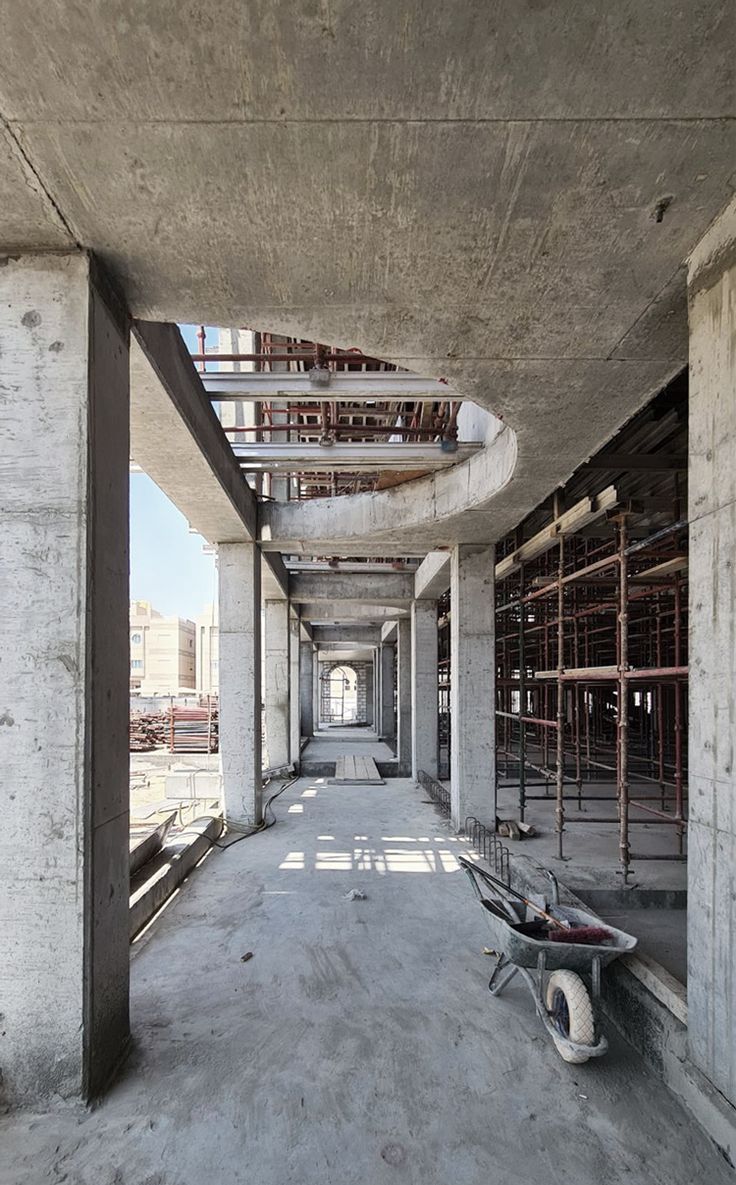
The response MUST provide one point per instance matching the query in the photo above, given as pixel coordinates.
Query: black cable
(263, 825)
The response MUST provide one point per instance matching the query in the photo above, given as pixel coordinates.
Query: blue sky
(167, 563)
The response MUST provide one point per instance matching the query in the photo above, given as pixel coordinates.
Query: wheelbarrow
(550, 969)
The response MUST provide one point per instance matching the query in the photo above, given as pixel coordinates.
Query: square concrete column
(239, 566)
(711, 985)
(295, 725)
(404, 697)
(276, 695)
(473, 685)
(64, 865)
(370, 699)
(306, 687)
(387, 683)
(316, 691)
(424, 695)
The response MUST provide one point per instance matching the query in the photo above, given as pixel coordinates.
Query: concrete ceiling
(471, 190)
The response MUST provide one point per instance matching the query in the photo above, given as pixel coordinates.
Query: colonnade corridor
(359, 1043)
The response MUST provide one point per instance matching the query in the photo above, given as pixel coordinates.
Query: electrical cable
(264, 824)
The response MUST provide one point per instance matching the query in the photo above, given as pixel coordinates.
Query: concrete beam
(389, 632)
(333, 652)
(177, 440)
(274, 578)
(334, 612)
(432, 577)
(353, 387)
(359, 566)
(357, 458)
(348, 635)
(386, 588)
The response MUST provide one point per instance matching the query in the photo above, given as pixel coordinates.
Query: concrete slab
(577, 312)
(358, 742)
(359, 1043)
(591, 849)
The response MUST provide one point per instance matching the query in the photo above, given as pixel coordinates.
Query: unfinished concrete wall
(64, 737)
(712, 513)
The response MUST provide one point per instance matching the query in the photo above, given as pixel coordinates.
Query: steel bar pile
(148, 730)
(193, 730)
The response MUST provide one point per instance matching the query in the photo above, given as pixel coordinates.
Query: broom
(558, 931)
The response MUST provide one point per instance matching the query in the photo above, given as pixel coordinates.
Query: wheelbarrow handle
(499, 884)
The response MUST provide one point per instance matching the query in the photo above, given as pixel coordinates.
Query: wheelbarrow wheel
(571, 1013)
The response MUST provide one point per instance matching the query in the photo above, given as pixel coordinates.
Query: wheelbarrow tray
(524, 951)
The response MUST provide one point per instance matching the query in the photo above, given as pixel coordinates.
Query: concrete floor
(591, 863)
(591, 849)
(330, 743)
(359, 1044)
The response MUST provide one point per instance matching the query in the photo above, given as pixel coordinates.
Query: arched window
(340, 703)
(136, 639)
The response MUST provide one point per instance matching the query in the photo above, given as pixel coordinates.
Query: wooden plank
(356, 771)
(580, 515)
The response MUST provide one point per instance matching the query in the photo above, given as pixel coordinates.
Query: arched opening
(340, 695)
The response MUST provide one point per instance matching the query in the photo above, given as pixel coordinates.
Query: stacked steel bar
(193, 730)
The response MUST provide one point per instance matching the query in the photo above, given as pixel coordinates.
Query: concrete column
(404, 697)
(388, 680)
(316, 692)
(239, 566)
(711, 986)
(276, 675)
(64, 875)
(424, 695)
(295, 725)
(370, 714)
(306, 687)
(473, 685)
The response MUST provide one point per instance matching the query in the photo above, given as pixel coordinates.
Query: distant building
(162, 652)
(208, 652)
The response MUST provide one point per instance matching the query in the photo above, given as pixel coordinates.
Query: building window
(136, 664)
(136, 639)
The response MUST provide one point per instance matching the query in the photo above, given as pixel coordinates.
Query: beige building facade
(162, 652)
(207, 652)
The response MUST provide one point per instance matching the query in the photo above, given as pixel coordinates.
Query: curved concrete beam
(419, 514)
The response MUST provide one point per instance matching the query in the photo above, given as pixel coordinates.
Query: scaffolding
(591, 637)
(331, 420)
